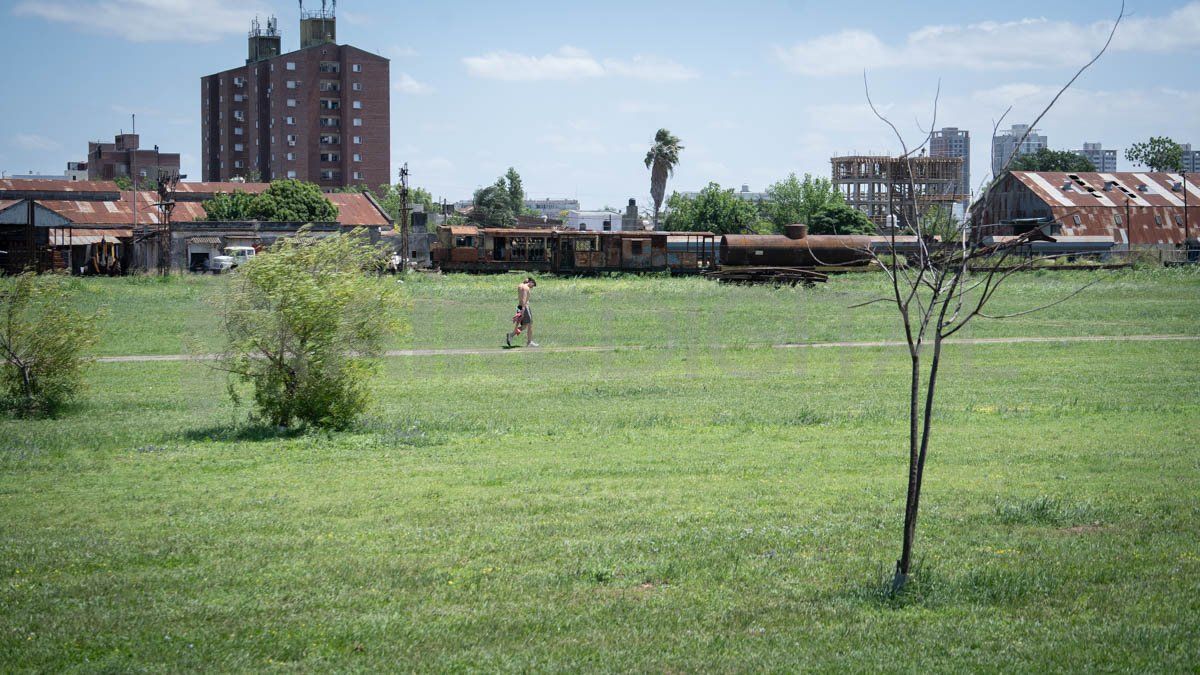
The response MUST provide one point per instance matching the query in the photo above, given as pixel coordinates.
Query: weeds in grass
(1045, 510)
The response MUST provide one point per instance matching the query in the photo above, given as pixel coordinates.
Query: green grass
(151, 316)
(677, 508)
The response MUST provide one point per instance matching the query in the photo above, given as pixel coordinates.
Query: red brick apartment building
(319, 114)
(123, 157)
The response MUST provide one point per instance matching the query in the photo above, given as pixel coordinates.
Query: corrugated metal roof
(464, 230)
(1145, 207)
(1104, 189)
(39, 185)
(215, 241)
(354, 210)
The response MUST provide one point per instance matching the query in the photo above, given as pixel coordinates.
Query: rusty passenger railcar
(466, 248)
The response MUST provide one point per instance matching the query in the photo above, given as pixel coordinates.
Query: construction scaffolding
(882, 187)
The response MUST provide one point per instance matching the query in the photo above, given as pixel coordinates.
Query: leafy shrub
(42, 343)
(301, 320)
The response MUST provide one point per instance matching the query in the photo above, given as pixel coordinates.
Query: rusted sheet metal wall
(1145, 207)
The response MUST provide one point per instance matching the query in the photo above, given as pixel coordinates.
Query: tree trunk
(910, 511)
(917, 465)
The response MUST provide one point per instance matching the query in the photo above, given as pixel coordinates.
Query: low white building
(594, 221)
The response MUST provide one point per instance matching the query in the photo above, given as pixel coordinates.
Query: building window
(1117, 218)
(291, 65)
(1158, 220)
(237, 131)
(330, 157)
(238, 98)
(1077, 220)
(237, 164)
(357, 105)
(330, 104)
(330, 139)
(291, 156)
(329, 86)
(291, 103)
(357, 140)
(291, 174)
(357, 122)
(357, 175)
(329, 67)
(357, 157)
(357, 67)
(330, 122)
(329, 174)
(289, 120)
(356, 86)
(291, 84)
(292, 138)
(237, 147)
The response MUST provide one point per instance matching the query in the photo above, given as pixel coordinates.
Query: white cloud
(992, 45)
(650, 68)
(407, 84)
(36, 143)
(572, 63)
(150, 20)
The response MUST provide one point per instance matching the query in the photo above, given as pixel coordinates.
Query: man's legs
(529, 334)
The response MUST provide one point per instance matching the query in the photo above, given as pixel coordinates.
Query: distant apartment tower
(319, 114)
(1103, 160)
(551, 208)
(123, 158)
(1005, 142)
(1191, 159)
(954, 142)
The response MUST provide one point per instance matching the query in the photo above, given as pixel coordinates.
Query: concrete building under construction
(880, 186)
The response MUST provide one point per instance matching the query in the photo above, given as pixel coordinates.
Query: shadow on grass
(245, 432)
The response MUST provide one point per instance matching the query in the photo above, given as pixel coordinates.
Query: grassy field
(152, 316)
(674, 508)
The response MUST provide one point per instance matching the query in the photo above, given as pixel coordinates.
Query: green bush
(42, 341)
(301, 320)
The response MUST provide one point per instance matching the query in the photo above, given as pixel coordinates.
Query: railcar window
(464, 241)
(636, 248)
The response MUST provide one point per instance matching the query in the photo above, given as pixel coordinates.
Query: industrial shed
(91, 227)
(1136, 209)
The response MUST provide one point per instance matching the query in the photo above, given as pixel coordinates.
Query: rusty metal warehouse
(1136, 209)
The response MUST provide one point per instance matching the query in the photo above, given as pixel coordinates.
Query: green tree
(43, 338)
(493, 206)
(302, 319)
(661, 159)
(713, 210)
(839, 218)
(1046, 159)
(1159, 153)
(516, 191)
(796, 201)
(228, 206)
(293, 201)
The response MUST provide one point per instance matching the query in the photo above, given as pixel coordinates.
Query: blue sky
(571, 93)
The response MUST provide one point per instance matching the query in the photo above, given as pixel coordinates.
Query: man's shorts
(526, 315)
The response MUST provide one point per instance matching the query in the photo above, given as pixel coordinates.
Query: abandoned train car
(467, 248)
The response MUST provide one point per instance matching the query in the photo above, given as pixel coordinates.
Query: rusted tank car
(796, 248)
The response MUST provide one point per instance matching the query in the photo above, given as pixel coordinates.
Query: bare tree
(941, 287)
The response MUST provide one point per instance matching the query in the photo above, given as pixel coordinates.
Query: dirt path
(466, 351)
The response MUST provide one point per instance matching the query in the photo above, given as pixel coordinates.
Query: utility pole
(404, 213)
(133, 177)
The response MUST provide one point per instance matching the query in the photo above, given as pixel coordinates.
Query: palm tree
(661, 160)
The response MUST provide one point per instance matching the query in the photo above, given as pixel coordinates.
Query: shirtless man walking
(523, 321)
